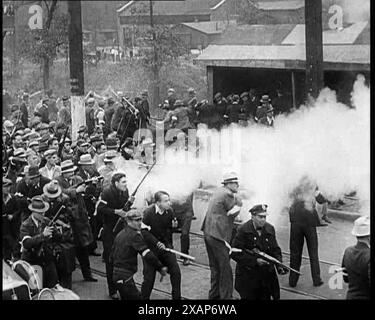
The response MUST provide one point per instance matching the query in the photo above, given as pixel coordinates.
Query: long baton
(180, 254)
(133, 194)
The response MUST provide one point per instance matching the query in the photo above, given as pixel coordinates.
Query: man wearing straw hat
(217, 227)
(356, 261)
(82, 233)
(108, 168)
(34, 235)
(262, 110)
(63, 249)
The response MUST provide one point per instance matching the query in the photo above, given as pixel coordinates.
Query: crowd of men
(60, 197)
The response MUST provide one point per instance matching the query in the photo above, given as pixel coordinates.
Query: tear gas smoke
(328, 142)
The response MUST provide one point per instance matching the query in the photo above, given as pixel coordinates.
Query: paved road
(196, 278)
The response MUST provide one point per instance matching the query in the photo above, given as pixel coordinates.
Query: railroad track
(167, 294)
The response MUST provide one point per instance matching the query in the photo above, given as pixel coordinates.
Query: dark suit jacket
(356, 261)
(298, 213)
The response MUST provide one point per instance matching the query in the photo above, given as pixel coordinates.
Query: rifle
(269, 259)
(61, 145)
(51, 223)
(89, 181)
(132, 195)
(56, 216)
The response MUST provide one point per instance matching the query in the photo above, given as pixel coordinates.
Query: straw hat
(86, 159)
(52, 189)
(38, 205)
(68, 166)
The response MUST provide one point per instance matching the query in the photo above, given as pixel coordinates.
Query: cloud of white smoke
(329, 142)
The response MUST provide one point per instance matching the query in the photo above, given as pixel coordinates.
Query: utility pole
(155, 68)
(76, 67)
(314, 48)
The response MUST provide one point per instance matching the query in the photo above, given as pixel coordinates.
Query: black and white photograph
(206, 151)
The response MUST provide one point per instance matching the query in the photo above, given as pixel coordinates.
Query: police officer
(356, 261)
(127, 245)
(256, 279)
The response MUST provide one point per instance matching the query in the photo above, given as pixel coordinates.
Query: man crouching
(127, 244)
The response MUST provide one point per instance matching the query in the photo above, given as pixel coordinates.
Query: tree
(158, 46)
(41, 46)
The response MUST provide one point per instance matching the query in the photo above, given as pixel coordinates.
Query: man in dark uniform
(356, 261)
(157, 233)
(217, 227)
(256, 279)
(112, 206)
(303, 222)
(127, 245)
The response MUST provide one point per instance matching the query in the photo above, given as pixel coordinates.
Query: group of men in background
(61, 196)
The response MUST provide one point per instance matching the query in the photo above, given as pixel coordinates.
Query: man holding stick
(157, 233)
(112, 206)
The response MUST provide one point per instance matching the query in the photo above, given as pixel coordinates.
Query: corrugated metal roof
(347, 35)
(210, 27)
(254, 34)
(290, 34)
(281, 5)
(331, 53)
(364, 37)
(175, 7)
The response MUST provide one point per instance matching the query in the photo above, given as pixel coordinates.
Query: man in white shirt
(50, 170)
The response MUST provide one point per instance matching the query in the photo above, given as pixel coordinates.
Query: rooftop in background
(291, 34)
(283, 46)
(210, 27)
(176, 7)
(281, 5)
